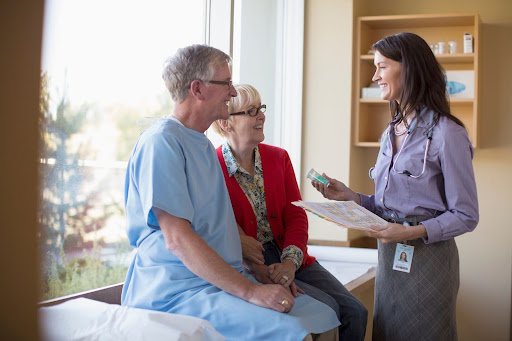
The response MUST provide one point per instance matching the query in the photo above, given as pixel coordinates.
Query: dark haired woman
(424, 187)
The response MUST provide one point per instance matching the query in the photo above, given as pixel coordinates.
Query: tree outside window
(100, 79)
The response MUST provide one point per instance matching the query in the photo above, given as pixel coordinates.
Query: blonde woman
(274, 233)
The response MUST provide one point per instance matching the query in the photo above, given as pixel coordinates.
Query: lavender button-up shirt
(447, 188)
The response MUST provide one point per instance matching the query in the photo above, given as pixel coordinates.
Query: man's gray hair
(189, 63)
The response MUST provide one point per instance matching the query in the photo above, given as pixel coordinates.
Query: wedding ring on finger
(284, 303)
(285, 278)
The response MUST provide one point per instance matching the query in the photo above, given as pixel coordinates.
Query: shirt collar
(423, 120)
(176, 120)
(233, 166)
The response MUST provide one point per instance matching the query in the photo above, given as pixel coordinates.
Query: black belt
(412, 221)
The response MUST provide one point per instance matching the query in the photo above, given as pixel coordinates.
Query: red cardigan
(289, 223)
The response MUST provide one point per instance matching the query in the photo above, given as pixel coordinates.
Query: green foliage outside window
(75, 202)
(81, 274)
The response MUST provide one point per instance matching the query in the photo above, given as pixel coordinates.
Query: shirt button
(385, 178)
(381, 199)
(273, 216)
(393, 215)
(280, 238)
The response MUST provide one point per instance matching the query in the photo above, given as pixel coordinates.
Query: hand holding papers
(343, 213)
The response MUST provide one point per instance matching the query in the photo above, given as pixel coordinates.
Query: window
(268, 39)
(101, 75)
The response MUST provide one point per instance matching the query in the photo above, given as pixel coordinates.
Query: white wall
(327, 95)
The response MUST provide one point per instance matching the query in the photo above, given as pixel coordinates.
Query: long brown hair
(423, 79)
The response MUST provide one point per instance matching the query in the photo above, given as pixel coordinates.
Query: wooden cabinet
(372, 115)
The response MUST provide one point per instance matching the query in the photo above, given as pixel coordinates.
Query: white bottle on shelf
(441, 47)
(468, 43)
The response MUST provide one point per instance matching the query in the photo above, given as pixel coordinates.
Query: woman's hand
(260, 272)
(392, 232)
(282, 273)
(252, 249)
(336, 190)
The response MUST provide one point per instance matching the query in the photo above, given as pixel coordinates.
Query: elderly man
(180, 219)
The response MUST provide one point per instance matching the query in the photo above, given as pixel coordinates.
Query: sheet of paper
(345, 213)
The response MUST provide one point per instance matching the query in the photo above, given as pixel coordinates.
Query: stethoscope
(409, 131)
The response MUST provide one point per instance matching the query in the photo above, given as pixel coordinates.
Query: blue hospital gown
(176, 169)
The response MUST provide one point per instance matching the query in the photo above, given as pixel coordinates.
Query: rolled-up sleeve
(461, 216)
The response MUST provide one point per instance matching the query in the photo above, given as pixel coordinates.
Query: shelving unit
(372, 115)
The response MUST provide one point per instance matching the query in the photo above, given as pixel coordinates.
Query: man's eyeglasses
(228, 83)
(252, 112)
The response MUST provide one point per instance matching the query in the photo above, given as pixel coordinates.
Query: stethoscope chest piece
(371, 173)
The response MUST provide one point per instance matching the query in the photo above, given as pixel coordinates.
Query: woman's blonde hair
(247, 95)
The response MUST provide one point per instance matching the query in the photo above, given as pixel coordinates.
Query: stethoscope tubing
(409, 132)
(406, 172)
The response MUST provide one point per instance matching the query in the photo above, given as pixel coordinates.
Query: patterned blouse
(255, 192)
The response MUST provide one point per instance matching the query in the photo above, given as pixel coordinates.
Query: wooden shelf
(372, 115)
(367, 144)
(373, 101)
(381, 101)
(423, 20)
(462, 100)
(456, 58)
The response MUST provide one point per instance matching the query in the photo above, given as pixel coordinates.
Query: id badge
(403, 257)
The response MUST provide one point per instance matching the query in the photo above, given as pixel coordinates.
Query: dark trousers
(320, 284)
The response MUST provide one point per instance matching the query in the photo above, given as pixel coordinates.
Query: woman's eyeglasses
(253, 111)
